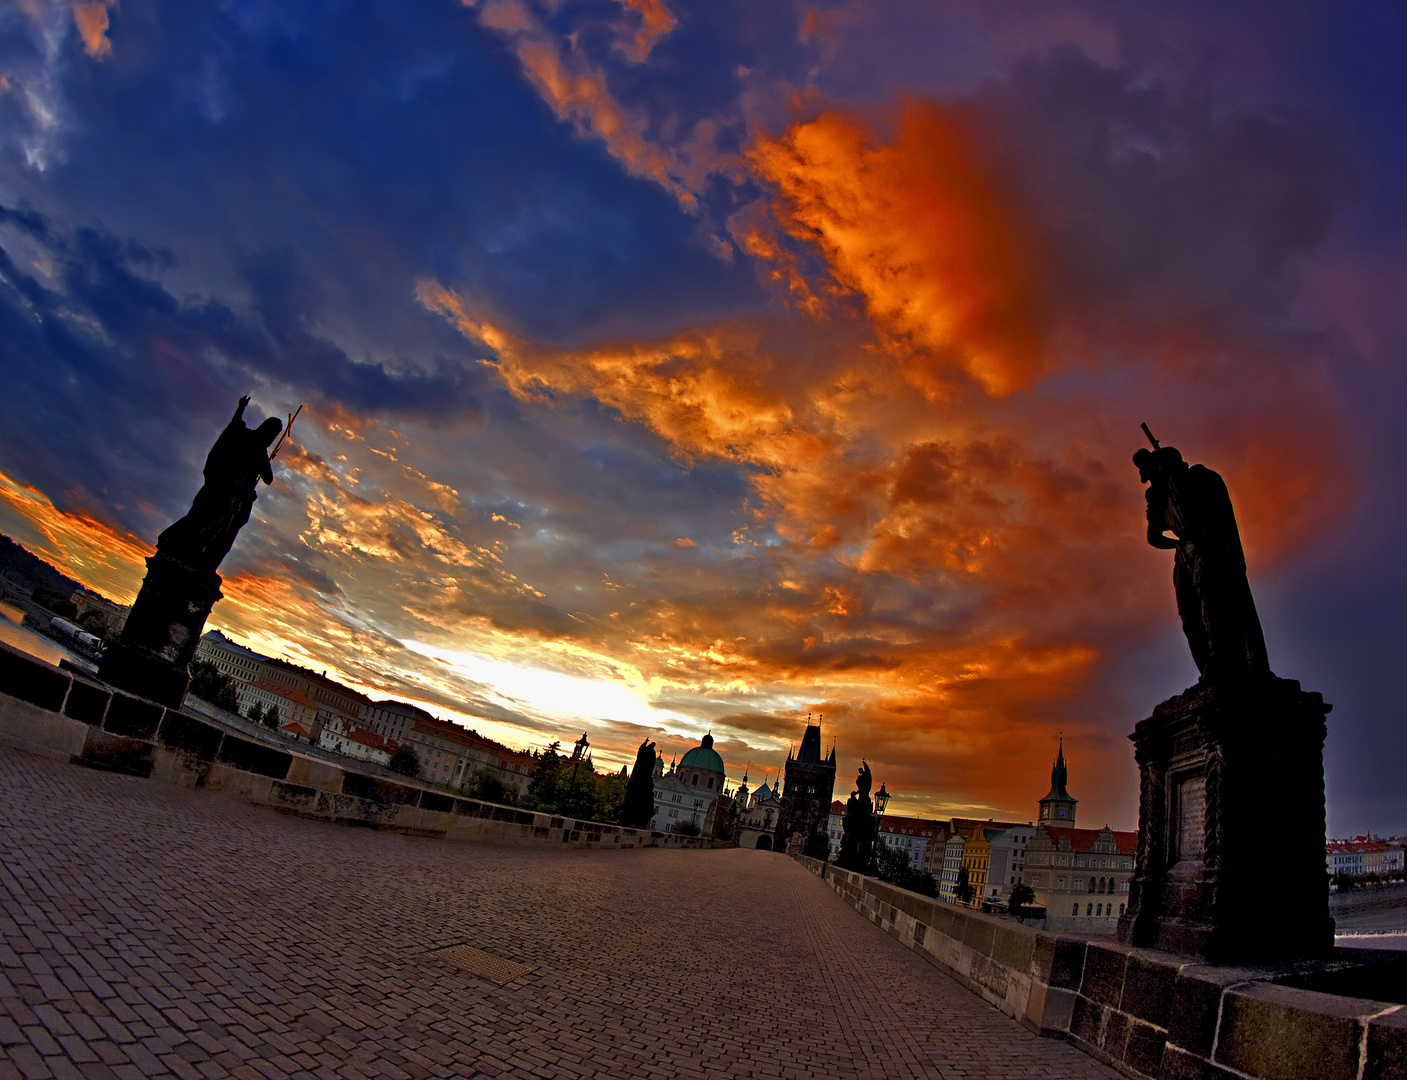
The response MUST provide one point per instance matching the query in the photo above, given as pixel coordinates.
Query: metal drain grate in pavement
(485, 965)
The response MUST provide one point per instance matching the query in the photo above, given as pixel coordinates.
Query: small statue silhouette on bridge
(638, 807)
(859, 827)
(1209, 569)
(235, 465)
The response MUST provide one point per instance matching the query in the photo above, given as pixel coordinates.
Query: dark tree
(964, 891)
(405, 760)
(1021, 895)
(610, 794)
(271, 718)
(685, 828)
(638, 807)
(485, 784)
(892, 865)
(817, 846)
(209, 685)
(94, 623)
(55, 602)
(542, 787)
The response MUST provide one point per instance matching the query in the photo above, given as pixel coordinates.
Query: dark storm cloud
(107, 364)
(1161, 202)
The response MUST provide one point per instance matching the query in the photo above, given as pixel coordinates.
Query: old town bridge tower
(807, 790)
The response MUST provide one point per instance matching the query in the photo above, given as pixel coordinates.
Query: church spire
(1057, 808)
(1058, 775)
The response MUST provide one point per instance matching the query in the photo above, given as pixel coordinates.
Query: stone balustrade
(1152, 1014)
(59, 714)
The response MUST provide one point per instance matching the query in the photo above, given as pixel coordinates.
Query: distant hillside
(35, 570)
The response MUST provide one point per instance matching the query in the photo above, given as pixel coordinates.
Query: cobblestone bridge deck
(146, 930)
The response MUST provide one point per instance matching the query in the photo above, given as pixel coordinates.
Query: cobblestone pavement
(152, 931)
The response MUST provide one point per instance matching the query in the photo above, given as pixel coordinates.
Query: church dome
(703, 757)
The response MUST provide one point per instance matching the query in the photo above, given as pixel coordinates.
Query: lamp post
(881, 800)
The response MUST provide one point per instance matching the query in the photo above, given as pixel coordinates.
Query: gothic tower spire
(1057, 808)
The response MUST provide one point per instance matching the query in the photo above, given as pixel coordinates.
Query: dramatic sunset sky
(672, 368)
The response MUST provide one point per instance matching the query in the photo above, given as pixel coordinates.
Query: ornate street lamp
(881, 800)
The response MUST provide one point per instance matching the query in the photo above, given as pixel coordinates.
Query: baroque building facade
(1080, 876)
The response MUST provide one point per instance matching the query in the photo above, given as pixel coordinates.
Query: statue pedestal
(159, 639)
(1231, 825)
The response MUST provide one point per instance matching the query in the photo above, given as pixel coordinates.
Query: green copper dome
(703, 757)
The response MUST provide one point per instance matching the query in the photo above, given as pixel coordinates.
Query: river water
(12, 632)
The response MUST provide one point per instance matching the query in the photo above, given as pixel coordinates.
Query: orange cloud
(103, 558)
(92, 22)
(577, 92)
(656, 21)
(917, 231)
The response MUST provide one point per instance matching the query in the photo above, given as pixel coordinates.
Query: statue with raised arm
(1209, 567)
(235, 465)
(159, 639)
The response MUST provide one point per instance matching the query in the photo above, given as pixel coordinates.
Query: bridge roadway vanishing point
(153, 931)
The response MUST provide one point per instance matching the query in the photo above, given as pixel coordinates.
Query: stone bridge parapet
(1152, 1015)
(58, 714)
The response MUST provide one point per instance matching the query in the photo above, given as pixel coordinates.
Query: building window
(1075, 910)
(1089, 909)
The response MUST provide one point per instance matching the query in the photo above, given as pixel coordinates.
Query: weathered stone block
(196, 737)
(321, 775)
(40, 731)
(86, 702)
(293, 796)
(253, 757)
(1104, 974)
(1196, 1004)
(1178, 1064)
(1050, 1008)
(1148, 988)
(1280, 1033)
(432, 800)
(1116, 1033)
(1058, 961)
(32, 680)
(979, 936)
(115, 753)
(132, 717)
(944, 916)
(1013, 948)
(1144, 1048)
(1387, 1047)
(1087, 1021)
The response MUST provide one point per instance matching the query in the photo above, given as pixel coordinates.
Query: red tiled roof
(370, 738)
(1085, 839)
(283, 690)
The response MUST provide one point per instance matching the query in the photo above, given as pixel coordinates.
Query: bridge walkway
(146, 930)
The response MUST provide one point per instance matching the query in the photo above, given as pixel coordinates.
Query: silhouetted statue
(1209, 569)
(638, 807)
(858, 829)
(162, 632)
(235, 465)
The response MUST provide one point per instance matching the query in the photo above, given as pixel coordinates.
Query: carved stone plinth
(1231, 825)
(162, 631)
